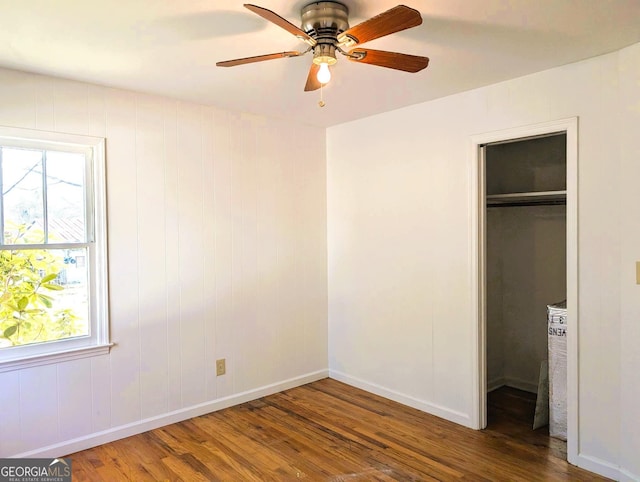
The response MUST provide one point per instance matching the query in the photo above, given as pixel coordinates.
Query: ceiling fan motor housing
(324, 21)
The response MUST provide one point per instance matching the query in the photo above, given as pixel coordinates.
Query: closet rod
(538, 198)
(559, 202)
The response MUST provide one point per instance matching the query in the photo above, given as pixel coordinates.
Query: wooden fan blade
(312, 79)
(281, 22)
(393, 20)
(257, 58)
(391, 60)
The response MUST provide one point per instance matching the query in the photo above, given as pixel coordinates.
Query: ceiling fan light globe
(324, 74)
(320, 58)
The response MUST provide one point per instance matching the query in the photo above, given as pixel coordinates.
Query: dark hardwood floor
(510, 412)
(328, 431)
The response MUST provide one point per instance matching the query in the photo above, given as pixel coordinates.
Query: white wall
(399, 240)
(217, 248)
(629, 208)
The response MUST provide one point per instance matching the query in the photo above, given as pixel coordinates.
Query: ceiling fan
(325, 28)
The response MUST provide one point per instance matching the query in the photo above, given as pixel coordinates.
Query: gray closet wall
(526, 254)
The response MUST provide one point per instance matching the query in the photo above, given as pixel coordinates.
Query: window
(53, 263)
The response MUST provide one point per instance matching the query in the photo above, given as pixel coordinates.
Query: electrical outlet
(221, 367)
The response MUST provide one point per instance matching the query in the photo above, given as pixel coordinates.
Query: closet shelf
(527, 199)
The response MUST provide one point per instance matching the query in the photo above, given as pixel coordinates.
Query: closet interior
(525, 185)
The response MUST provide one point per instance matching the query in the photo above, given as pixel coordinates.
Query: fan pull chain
(321, 103)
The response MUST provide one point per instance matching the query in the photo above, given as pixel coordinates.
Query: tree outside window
(45, 235)
(53, 251)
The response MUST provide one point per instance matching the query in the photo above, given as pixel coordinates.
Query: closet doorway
(526, 259)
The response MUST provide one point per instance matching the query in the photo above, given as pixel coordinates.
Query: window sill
(46, 359)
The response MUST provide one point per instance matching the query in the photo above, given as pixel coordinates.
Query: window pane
(44, 295)
(22, 196)
(65, 197)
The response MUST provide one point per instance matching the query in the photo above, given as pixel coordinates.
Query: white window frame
(97, 342)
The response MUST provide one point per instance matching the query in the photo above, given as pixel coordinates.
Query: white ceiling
(170, 47)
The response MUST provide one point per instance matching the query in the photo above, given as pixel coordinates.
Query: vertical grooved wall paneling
(204, 250)
(400, 238)
(124, 291)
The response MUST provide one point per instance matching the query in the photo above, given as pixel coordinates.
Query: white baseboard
(626, 476)
(531, 387)
(62, 449)
(495, 384)
(512, 382)
(433, 409)
(601, 467)
(82, 443)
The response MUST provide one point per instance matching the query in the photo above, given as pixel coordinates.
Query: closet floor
(510, 413)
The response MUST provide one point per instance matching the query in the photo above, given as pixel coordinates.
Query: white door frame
(478, 261)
